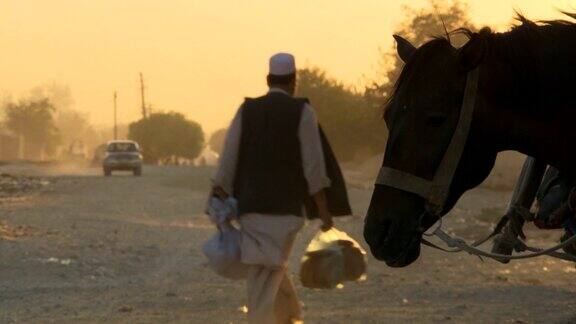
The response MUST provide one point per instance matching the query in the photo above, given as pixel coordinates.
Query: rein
(436, 191)
(458, 245)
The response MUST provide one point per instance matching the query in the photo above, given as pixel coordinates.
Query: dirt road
(126, 249)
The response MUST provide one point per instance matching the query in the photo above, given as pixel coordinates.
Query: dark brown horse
(525, 101)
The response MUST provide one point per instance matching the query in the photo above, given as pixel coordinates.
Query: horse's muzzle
(392, 242)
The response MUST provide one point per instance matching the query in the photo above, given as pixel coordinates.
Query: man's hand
(323, 213)
(219, 192)
(327, 221)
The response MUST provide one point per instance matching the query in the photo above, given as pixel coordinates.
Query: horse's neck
(551, 138)
(530, 106)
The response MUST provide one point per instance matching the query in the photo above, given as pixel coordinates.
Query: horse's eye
(435, 119)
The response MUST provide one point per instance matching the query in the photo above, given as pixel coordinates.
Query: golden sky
(201, 57)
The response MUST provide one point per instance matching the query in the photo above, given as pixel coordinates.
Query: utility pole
(115, 116)
(144, 113)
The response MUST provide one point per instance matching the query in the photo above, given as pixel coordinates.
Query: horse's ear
(472, 54)
(404, 48)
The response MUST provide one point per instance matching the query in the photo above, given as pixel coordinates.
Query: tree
(217, 139)
(59, 95)
(350, 119)
(418, 27)
(33, 120)
(166, 136)
(75, 127)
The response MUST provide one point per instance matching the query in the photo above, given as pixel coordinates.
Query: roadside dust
(126, 249)
(11, 233)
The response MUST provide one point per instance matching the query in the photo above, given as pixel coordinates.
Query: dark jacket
(336, 194)
(269, 175)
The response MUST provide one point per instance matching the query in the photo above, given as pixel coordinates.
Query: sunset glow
(201, 57)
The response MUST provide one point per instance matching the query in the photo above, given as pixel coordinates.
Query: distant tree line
(350, 119)
(217, 139)
(32, 120)
(353, 119)
(44, 123)
(419, 26)
(167, 136)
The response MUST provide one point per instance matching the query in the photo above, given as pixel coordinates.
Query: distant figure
(556, 200)
(272, 162)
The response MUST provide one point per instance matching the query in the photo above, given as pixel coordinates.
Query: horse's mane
(540, 54)
(526, 29)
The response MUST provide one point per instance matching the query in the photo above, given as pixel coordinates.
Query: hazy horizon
(201, 57)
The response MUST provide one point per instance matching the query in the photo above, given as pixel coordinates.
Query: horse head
(422, 116)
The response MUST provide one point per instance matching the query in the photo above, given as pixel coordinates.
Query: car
(122, 155)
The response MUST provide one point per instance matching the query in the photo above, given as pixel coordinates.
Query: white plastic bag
(331, 258)
(222, 211)
(223, 253)
(223, 249)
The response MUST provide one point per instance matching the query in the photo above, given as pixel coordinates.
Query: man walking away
(272, 162)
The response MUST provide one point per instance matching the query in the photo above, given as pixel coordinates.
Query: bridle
(436, 191)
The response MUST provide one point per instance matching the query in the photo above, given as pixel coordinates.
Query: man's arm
(314, 164)
(323, 213)
(223, 181)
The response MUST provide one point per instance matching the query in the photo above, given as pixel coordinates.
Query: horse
(521, 87)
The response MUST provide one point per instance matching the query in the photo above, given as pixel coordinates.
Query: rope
(499, 226)
(458, 245)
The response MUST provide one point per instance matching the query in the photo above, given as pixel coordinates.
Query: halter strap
(404, 181)
(436, 192)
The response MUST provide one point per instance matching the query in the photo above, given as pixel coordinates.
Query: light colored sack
(223, 253)
(222, 211)
(223, 249)
(331, 258)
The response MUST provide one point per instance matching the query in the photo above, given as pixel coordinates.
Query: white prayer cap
(282, 64)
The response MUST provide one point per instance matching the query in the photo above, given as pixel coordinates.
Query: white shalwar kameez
(267, 240)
